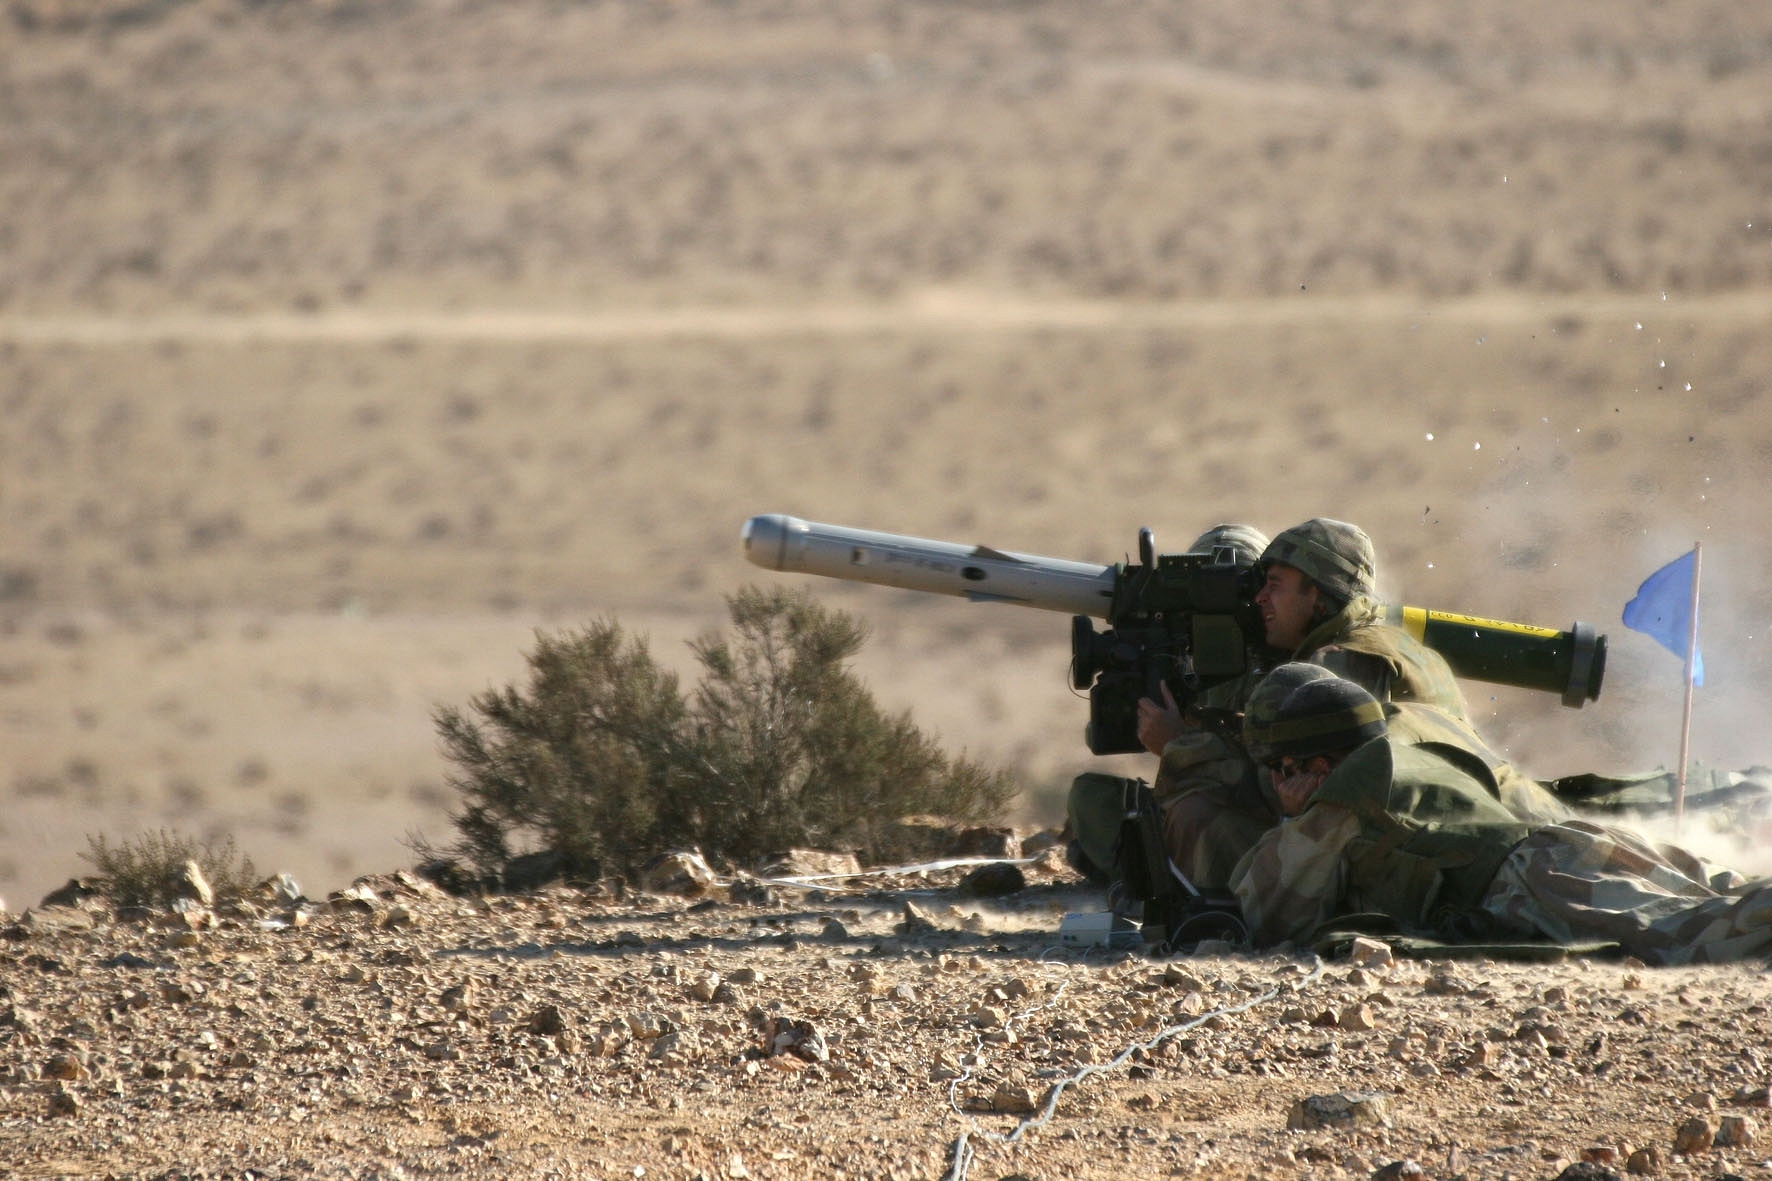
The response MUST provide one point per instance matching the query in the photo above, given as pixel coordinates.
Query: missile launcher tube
(1569, 663)
(975, 572)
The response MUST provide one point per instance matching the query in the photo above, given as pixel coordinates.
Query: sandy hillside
(344, 344)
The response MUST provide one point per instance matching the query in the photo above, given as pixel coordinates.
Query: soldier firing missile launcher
(1185, 619)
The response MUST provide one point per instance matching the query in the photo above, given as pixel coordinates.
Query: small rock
(994, 881)
(1600, 1154)
(647, 1025)
(1010, 1100)
(916, 921)
(705, 986)
(73, 894)
(1446, 982)
(1644, 1162)
(1357, 1019)
(987, 841)
(784, 1035)
(1735, 1131)
(547, 1021)
(748, 891)
(1587, 1170)
(674, 1048)
(833, 931)
(63, 1103)
(49, 919)
(64, 1066)
(396, 916)
(606, 1042)
(811, 863)
(1342, 1110)
(193, 885)
(684, 873)
(1371, 953)
(174, 993)
(357, 897)
(1695, 1135)
(1399, 1170)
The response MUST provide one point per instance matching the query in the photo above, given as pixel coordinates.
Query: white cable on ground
(963, 1154)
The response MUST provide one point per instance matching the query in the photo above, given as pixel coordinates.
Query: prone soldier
(1377, 826)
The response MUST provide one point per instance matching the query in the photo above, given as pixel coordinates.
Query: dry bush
(147, 870)
(603, 761)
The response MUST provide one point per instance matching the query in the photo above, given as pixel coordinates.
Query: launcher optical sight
(1187, 620)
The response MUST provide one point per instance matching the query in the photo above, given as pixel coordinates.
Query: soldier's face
(1288, 602)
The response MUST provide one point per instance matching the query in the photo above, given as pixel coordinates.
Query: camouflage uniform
(1355, 642)
(1403, 831)
(1214, 809)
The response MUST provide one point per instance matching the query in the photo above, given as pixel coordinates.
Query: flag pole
(1686, 715)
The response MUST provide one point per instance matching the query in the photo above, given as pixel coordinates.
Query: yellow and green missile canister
(1570, 663)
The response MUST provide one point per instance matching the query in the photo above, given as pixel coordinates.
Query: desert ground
(343, 345)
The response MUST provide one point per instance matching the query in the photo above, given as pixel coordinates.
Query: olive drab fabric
(1401, 831)
(1411, 723)
(1332, 714)
(1386, 661)
(1335, 555)
(1094, 811)
(1417, 806)
(1248, 542)
(1264, 703)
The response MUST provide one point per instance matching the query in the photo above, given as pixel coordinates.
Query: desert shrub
(603, 760)
(146, 870)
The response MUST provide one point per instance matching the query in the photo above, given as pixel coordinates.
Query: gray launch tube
(977, 572)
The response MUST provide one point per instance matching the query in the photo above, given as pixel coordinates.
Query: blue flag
(1662, 610)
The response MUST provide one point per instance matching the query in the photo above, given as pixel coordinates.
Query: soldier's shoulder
(1363, 775)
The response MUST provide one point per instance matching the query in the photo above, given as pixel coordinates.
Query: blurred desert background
(345, 344)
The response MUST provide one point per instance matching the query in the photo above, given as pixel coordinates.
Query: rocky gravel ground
(890, 1025)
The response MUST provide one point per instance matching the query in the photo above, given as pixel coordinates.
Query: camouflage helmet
(1264, 702)
(1324, 716)
(1246, 540)
(1335, 555)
